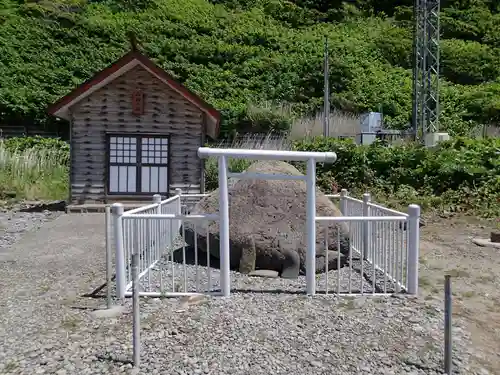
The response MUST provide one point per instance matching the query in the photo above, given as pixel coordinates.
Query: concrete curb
(485, 242)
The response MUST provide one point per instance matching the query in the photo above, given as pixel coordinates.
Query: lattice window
(123, 150)
(154, 151)
(138, 165)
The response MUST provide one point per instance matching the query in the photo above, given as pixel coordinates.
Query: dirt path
(446, 247)
(43, 277)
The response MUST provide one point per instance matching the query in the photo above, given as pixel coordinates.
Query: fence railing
(153, 232)
(385, 241)
(134, 233)
(188, 201)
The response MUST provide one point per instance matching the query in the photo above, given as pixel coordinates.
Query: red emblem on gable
(138, 102)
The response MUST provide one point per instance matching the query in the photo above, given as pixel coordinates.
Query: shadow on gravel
(83, 308)
(191, 258)
(110, 358)
(99, 292)
(292, 292)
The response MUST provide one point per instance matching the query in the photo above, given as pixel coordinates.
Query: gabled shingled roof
(61, 107)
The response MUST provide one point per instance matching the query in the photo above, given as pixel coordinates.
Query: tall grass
(269, 141)
(257, 141)
(485, 131)
(282, 117)
(32, 174)
(342, 124)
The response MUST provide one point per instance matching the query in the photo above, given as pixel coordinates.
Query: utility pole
(425, 111)
(326, 100)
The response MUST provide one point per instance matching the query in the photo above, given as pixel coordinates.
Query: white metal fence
(383, 246)
(383, 243)
(154, 233)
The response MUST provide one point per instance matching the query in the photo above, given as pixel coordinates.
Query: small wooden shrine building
(134, 132)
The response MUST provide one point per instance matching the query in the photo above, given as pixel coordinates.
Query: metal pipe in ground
(136, 329)
(108, 256)
(448, 349)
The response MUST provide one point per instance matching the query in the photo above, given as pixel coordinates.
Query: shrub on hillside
(458, 174)
(464, 172)
(24, 143)
(236, 52)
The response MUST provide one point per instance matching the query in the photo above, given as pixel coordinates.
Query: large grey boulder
(268, 222)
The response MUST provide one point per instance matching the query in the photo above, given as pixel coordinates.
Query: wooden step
(101, 207)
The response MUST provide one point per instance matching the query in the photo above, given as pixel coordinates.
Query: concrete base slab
(112, 312)
(485, 242)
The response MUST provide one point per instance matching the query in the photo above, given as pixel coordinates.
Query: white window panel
(162, 179)
(122, 179)
(113, 179)
(145, 179)
(154, 179)
(132, 179)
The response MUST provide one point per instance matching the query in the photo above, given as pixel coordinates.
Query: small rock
(315, 363)
(483, 242)
(264, 273)
(192, 300)
(113, 312)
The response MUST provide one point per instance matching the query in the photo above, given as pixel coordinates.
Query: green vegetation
(38, 144)
(241, 53)
(459, 175)
(260, 62)
(33, 168)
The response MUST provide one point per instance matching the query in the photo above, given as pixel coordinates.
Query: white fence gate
(383, 242)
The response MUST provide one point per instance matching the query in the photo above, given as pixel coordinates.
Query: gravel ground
(47, 325)
(173, 276)
(14, 223)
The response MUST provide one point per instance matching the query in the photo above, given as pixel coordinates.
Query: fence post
(311, 227)
(157, 199)
(343, 202)
(136, 319)
(366, 227)
(107, 211)
(224, 227)
(413, 247)
(154, 228)
(179, 210)
(117, 211)
(178, 193)
(448, 349)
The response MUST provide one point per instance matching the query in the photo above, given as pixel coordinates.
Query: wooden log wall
(109, 110)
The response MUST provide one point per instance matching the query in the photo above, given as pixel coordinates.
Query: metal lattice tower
(426, 67)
